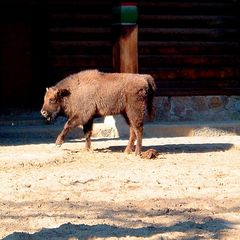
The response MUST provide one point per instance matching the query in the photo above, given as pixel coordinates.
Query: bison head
(52, 102)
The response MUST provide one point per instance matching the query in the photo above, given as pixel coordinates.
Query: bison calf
(89, 94)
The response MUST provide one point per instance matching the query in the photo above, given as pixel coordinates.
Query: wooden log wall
(79, 36)
(191, 47)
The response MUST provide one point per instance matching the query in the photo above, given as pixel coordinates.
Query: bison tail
(151, 92)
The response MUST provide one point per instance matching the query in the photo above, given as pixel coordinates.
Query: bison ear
(63, 93)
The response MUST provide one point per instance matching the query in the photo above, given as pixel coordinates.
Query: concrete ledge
(158, 129)
(119, 129)
(207, 129)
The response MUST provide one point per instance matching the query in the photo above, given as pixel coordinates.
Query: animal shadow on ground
(191, 229)
(177, 148)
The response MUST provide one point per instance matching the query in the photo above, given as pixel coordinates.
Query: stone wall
(198, 108)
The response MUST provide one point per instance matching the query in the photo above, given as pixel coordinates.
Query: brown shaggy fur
(89, 94)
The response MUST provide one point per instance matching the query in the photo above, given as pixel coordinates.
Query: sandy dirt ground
(190, 191)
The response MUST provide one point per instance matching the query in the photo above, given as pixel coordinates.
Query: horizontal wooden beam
(189, 60)
(187, 73)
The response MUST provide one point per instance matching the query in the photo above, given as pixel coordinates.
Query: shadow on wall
(31, 128)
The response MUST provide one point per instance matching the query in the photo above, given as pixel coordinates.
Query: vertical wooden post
(125, 37)
(125, 51)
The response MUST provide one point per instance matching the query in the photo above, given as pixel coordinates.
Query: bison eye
(52, 101)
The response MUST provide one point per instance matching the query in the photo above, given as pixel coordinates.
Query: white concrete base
(118, 125)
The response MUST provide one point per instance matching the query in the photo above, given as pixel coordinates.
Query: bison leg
(70, 124)
(139, 134)
(135, 115)
(87, 129)
(132, 138)
(134, 118)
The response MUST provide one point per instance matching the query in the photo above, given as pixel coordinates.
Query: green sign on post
(125, 37)
(126, 13)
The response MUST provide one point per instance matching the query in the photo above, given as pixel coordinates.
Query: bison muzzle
(89, 94)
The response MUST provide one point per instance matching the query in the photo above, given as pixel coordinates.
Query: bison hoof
(137, 153)
(87, 149)
(59, 143)
(129, 150)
